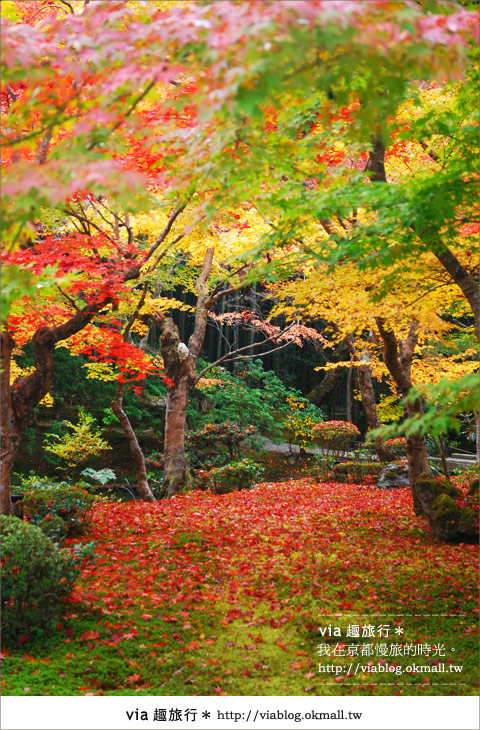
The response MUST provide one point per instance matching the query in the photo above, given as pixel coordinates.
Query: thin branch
(165, 251)
(438, 286)
(128, 228)
(134, 316)
(120, 222)
(64, 2)
(223, 293)
(218, 327)
(242, 357)
(127, 113)
(173, 217)
(327, 225)
(38, 132)
(109, 223)
(75, 225)
(43, 8)
(68, 298)
(83, 219)
(272, 338)
(20, 228)
(259, 354)
(11, 92)
(433, 155)
(43, 147)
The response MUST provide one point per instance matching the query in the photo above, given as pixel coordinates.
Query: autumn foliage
(178, 579)
(165, 163)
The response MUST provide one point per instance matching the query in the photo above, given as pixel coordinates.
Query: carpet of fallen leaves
(207, 594)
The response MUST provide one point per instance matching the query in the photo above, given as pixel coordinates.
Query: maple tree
(336, 171)
(386, 337)
(180, 362)
(90, 112)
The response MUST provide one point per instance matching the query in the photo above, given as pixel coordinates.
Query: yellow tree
(388, 335)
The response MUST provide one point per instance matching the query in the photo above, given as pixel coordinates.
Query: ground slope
(205, 594)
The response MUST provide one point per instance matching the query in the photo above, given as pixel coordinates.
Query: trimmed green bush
(335, 436)
(473, 487)
(36, 576)
(236, 475)
(356, 471)
(53, 527)
(398, 446)
(43, 501)
(213, 436)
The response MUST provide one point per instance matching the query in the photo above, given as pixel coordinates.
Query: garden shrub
(300, 422)
(357, 471)
(53, 527)
(335, 436)
(473, 487)
(253, 395)
(78, 442)
(36, 575)
(215, 435)
(43, 500)
(398, 446)
(323, 467)
(236, 475)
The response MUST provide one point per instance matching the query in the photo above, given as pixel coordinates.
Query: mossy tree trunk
(318, 394)
(20, 398)
(437, 500)
(136, 451)
(367, 392)
(398, 360)
(180, 368)
(10, 434)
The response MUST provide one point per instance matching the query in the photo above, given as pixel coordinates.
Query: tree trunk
(9, 436)
(417, 460)
(18, 400)
(137, 453)
(349, 395)
(320, 391)
(398, 359)
(478, 437)
(180, 362)
(176, 470)
(465, 280)
(369, 403)
(180, 371)
(367, 392)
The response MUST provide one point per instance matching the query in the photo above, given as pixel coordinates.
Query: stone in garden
(394, 475)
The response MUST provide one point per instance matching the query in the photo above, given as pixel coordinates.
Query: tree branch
(172, 218)
(117, 407)
(234, 353)
(64, 2)
(127, 113)
(201, 312)
(83, 219)
(11, 92)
